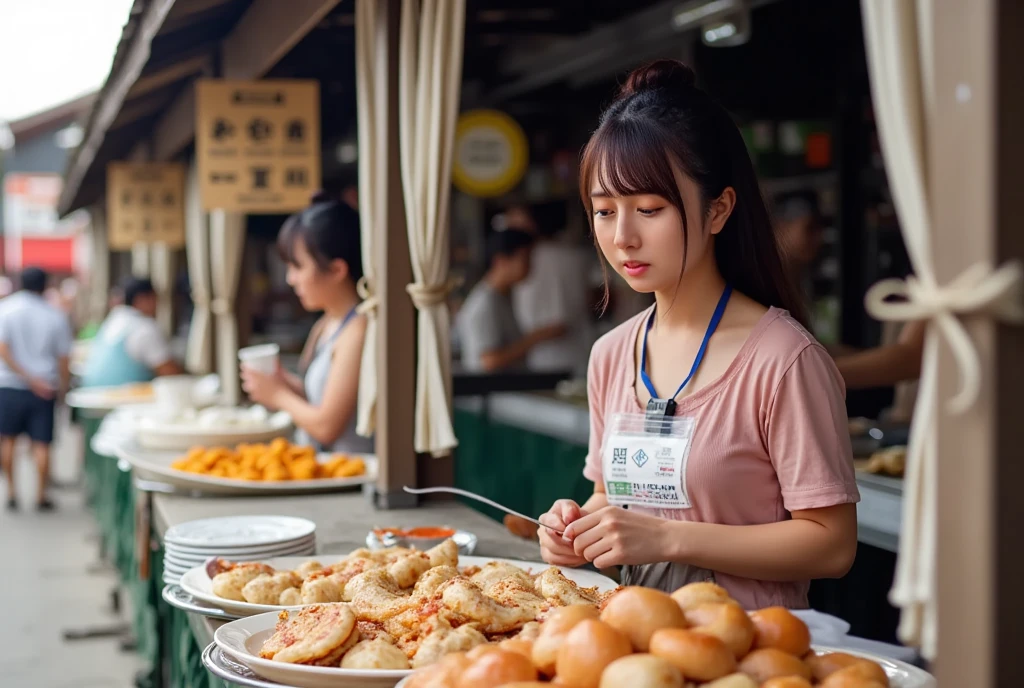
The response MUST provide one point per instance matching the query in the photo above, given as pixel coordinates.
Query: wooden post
(396, 337)
(975, 161)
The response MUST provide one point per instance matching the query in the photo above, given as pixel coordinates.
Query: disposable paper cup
(174, 392)
(262, 358)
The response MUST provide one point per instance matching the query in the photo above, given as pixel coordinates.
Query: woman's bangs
(627, 162)
(286, 239)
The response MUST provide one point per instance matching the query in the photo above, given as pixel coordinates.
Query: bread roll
(443, 674)
(523, 647)
(638, 612)
(698, 656)
(497, 669)
(860, 675)
(787, 682)
(823, 666)
(695, 594)
(778, 628)
(588, 648)
(641, 671)
(553, 632)
(732, 681)
(727, 622)
(766, 664)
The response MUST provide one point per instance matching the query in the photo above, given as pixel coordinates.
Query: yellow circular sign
(491, 153)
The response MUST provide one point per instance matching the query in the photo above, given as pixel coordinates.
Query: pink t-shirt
(771, 435)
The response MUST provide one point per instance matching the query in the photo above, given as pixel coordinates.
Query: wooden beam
(264, 34)
(170, 74)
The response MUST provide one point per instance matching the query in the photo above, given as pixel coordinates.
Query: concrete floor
(48, 584)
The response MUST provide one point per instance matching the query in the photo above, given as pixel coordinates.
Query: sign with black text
(145, 204)
(258, 144)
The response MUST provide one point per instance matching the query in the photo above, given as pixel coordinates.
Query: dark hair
(33, 280)
(661, 120)
(329, 229)
(134, 287)
(506, 243)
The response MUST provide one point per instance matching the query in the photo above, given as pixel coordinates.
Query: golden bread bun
(443, 674)
(823, 666)
(732, 681)
(766, 664)
(696, 594)
(638, 612)
(698, 656)
(481, 650)
(523, 647)
(861, 675)
(497, 668)
(641, 671)
(787, 682)
(727, 622)
(778, 628)
(588, 648)
(527, 684)
(553, 632)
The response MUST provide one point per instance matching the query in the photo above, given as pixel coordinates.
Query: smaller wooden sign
(145, 204)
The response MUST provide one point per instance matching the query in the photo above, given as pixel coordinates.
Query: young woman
(751, 472)
(322, 248)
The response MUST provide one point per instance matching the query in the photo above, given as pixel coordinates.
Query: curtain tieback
(368, 295)
(427, 295)
(979, 288)
(201, 297)
(220, 306)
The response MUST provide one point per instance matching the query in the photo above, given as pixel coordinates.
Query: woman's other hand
(613, 536)
(263, 389)
(556, 549)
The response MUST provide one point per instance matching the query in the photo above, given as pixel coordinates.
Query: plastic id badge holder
(644, 460)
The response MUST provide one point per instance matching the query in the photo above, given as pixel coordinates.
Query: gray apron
(665, 576)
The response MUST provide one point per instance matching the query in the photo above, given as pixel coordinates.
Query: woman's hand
(554, 548)
(263, 389)
(613, 536)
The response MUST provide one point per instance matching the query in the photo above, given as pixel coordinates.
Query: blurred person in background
(322, 248)
(130, 347)
(35, 348)
(799, 228)
(554, 294)
(490, 337)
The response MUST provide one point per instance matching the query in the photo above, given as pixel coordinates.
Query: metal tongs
(472, 495)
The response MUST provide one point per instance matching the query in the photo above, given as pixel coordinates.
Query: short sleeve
(147, 344)
(808, 435)
(479, 329)
(596, 385)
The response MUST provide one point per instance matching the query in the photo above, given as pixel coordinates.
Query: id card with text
(644, 468)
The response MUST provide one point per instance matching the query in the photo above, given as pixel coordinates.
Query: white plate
(237, 552)
(186, 563)
(241, 640)
(170, 436)
(197, 583)
(156, 465)
(237, 531)
(901, 675)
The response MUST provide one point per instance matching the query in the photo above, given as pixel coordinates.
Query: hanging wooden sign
(145, 204)
(258, 144)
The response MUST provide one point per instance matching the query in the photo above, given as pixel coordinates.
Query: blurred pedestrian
(35, 347)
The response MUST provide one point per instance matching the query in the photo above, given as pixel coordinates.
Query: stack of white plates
(235, 538)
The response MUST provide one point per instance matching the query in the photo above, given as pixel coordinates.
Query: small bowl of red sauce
(421, 538)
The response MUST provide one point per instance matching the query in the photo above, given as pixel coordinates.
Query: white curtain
(141, 266)
(371, 101)
(161, 267)
(430, 76)
(227, 243)
(199, 359)
(900, 48)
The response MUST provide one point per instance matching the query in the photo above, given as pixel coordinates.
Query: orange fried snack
(275, 462)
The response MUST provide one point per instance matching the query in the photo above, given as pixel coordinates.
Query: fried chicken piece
(443, 640)
(334, 658)
(312, 634)
(290, 598)
(267, 589)
(407, 570)
(553, 586)
(375, 654)
(230, 582)
(468, 602)
(431, 581)
(513, 594)
(342, 572)
(308, 568)
(494, 571)
(319, 588)
(445, 554)
(374, 596)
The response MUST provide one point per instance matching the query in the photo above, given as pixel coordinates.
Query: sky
(52, 51)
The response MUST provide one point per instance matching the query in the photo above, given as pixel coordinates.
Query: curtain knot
(427, 295)
(978, 289)
(369, 296)
(220, 306)
(200, 297)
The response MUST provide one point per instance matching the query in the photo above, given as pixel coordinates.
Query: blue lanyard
(712, 326)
